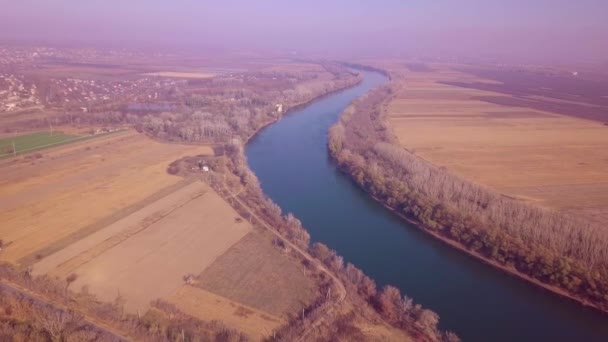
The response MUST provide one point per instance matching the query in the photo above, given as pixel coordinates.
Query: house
(279, 108)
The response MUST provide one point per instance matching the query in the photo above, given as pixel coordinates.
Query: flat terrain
(208, 306)
(145, 255)
(32, 141)
(554, 160)
(176, 74)
(256, 273)
(106, 210)
(47, 201)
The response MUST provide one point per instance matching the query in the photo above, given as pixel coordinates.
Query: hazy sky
(570, 29)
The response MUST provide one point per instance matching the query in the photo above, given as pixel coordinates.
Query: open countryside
(561, 160)
(32, 142)
(303, 171)
(175, 235)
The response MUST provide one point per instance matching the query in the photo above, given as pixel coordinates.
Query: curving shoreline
(388, 137)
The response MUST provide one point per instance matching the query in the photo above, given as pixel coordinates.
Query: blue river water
(473, 299)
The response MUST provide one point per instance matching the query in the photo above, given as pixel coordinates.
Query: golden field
(107, 211)
(49, 200)
(178, 74)
(145, 255)
(553, 160)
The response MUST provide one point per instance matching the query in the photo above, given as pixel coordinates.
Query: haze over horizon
(537, 30)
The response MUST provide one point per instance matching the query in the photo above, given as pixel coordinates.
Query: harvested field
(554, 160)
(175, 74)
(557, 91)
(50, 198)
(257, 274)
(179, 234)
(209, 307)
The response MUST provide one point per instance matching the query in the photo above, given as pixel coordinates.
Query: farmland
(45, 202)
(115, 224)
(210, 307)
(176, 235)
(254, 272)
(147, 227)
(32, 142)
(177, 74)
(552, 160)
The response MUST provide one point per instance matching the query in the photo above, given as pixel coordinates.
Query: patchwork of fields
(50, 199)
(177, 235)
(106, 210)
(553, 160)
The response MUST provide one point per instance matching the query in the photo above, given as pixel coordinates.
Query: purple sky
(540, 29)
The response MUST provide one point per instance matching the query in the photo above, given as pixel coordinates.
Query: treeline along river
(473, 299)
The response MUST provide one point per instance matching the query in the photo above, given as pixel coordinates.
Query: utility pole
(14, 149)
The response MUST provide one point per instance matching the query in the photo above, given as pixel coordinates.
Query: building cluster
(34, 54)
(70, 92)
(16, 93)
(26, 84)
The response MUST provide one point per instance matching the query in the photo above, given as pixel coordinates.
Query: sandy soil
(554, 160)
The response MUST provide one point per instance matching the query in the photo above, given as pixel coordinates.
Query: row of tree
(388, 302)
(26, 319)
(554, 248)
(211, 111)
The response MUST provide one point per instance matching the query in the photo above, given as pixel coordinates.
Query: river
(474, 300)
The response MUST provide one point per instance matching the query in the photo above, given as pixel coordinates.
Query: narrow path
(340, 286)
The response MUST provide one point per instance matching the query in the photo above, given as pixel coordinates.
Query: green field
(33, 142)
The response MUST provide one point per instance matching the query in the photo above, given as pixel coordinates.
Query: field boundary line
(59, 143)
(102, 223)
(341, 288)
(125, 234)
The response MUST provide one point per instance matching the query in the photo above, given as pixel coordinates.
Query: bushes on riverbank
(553, 248)
(398, 310)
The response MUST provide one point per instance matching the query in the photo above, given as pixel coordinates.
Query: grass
(33, 142)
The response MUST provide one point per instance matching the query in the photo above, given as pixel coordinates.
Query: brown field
(554, 160)
(179, 234)
(107, 211)
(48, 200)
(209, 307)
(174, 74)
(257, 274)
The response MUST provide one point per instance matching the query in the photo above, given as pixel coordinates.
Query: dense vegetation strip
(564, 253)
(45, 309)
(231, 169)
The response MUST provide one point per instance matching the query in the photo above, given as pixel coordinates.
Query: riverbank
(420, 323)
(356, 146)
